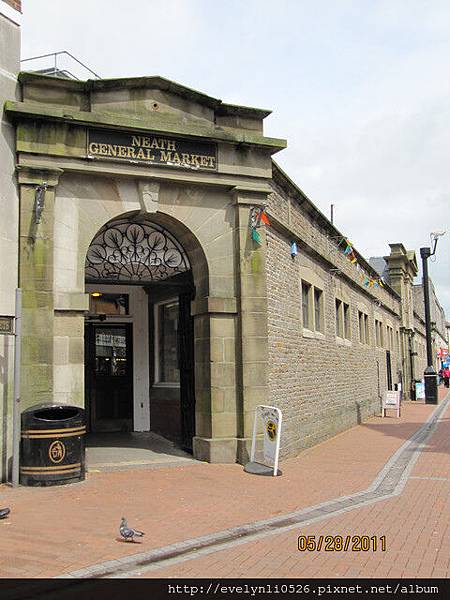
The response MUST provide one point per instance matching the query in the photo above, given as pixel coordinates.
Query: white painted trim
(10, 13)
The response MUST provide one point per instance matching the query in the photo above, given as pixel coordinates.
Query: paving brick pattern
(60, 530)
(416, 525)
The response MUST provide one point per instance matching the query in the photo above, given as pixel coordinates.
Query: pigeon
(4, 512)
(126, 532)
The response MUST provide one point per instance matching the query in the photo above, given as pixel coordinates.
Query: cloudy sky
(360, 89)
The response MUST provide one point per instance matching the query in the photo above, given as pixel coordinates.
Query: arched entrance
(139, 346)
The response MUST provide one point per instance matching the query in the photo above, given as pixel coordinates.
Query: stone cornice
(152, 122)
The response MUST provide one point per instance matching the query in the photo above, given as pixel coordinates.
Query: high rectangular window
(342, 319)
(312, 308)
(339, 319)
(389, 338)
(346, 321)
(363, 323)
(306, 289)
(379, 333)
(318, 310)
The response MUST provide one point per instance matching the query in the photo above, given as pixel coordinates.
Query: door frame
(90, 329)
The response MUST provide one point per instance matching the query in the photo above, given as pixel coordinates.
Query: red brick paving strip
(416, 525)
(57, 530)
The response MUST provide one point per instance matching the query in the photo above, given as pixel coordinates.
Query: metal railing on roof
(55, 70)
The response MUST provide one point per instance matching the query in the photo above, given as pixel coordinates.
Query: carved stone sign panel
(152, 149)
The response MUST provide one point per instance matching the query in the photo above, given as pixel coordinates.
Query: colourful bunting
(265, 218)
(257, 215)
(364, 278)
(256, 237)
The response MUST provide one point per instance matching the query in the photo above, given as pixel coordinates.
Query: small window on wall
(312, 308)
(339, 319)
(389, 338)
(306, 289)
(342, 319)
(363, 322)
(347, 321)
(379, 333)
(166, 342)
(108, 304)
(318, 310)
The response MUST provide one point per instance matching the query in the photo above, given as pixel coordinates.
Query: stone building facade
(152, 300)
(9, 67)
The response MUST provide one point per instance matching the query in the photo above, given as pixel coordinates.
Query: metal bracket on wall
(39, 201)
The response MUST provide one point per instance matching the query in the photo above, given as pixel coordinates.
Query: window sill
(343, 341)
(313, 335)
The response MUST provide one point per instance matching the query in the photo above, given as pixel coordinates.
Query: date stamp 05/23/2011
(341, 543)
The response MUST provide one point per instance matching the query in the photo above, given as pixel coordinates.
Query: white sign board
(420, 390)
(391, 400)
(270, 418)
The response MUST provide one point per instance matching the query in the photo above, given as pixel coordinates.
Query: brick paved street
(416, 525)
(58, 530)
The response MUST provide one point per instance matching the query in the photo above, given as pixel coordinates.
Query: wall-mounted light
(294, 249)
(96, 294)
(39, 201)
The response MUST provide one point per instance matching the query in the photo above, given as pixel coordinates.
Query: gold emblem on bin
(56, 452)
(271, 429)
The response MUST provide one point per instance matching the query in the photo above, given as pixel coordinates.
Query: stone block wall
(323, 383)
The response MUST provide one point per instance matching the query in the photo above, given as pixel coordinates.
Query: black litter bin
(52, 445)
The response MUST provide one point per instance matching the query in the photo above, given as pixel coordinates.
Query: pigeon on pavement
(127, 532)
(4, 512)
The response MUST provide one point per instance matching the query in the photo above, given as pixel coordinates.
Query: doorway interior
(139, 362)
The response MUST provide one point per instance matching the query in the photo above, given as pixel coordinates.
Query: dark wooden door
(389, 370)
(109, 377)
(186, 364)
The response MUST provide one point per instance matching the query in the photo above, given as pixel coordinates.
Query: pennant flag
(265, 218)
(353, 260)
(366, 281)
(256, 236)
(371, 282)
(380, 281)
(348, 250)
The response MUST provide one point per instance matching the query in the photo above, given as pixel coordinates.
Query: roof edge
(323, 220)
(156, 81)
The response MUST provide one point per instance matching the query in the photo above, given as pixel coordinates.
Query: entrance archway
(139, 353)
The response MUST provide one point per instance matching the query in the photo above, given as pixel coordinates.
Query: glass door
(109, 377)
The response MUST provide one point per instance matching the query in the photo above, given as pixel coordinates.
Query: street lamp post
(431, 392)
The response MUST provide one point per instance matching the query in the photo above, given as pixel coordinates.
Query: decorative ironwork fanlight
(127, 251)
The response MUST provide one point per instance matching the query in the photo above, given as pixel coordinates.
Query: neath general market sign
(152, 149)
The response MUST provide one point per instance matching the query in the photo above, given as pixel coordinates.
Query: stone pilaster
(215, 379)
(253, 340)
(37, 186)
(402, 265)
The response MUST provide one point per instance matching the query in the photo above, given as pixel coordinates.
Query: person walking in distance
(446, 375)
